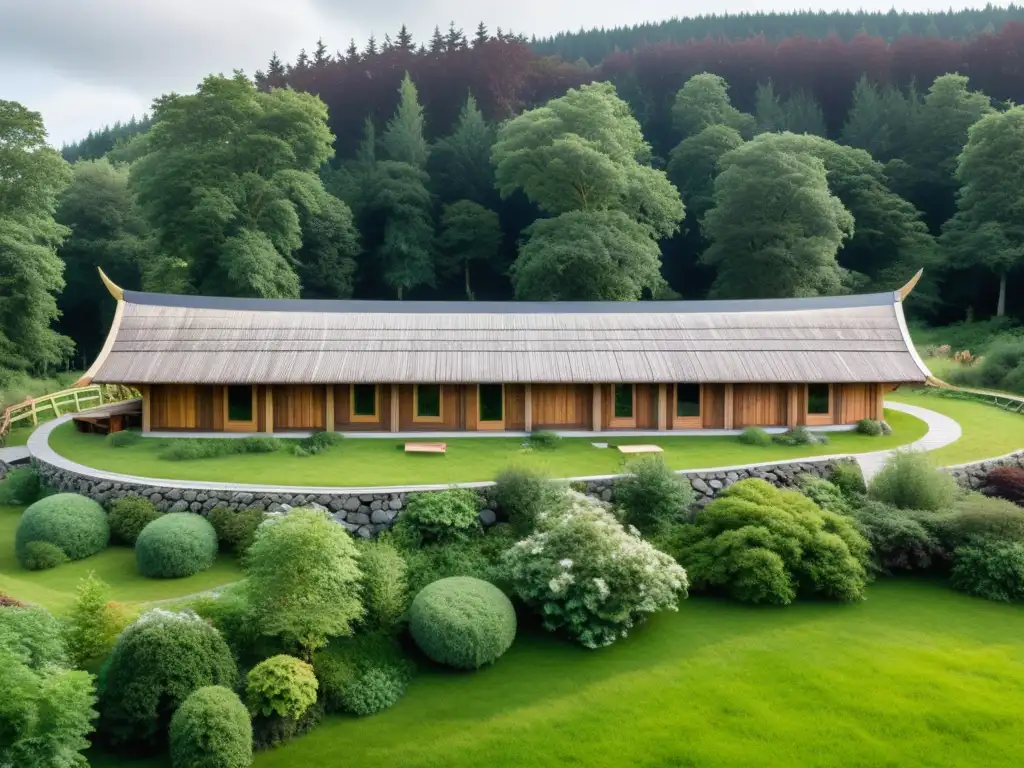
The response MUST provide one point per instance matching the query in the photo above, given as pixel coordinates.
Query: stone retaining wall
(973, 475)
(367, 514)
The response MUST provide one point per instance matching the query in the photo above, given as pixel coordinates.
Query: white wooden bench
(640, 449)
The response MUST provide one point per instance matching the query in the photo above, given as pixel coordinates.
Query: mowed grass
(56, 588)
(379, 461)
(915, 675)
(987, 431)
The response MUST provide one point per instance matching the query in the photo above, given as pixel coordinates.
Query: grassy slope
(116, 566)
(364, 462)
(987, 431)
(916, 675)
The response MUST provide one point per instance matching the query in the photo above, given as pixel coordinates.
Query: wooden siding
(515, 407)
(172, 406)
(646, 408)
(452, 410)
(562, 406)
(712, 406)
(759, 405)
(856, 402)
(299, 406)
(343, 415)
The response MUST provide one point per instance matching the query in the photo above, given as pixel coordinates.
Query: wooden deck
(107, 419)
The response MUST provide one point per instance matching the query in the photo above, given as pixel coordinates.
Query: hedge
(74, 524)
(176, 544)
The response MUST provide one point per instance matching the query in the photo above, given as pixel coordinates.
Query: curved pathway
(942, 431)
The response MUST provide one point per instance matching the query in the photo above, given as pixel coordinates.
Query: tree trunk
(1001, 306)
(399, 289)
(469, 291)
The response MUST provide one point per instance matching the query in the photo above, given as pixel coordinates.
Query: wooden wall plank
(528, 408)
(561, 406)
(712, 408)
(515, 407)
(299, 406)
(759, 405)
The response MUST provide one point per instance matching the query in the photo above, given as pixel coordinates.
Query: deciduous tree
(470, 233)
(704, 101)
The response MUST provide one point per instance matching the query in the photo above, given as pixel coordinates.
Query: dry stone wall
(973, 476)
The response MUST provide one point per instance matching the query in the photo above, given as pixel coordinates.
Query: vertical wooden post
(268, 408)
(728, 407)
(528, 408)
(35, 416)
(53, 405)
(596, 415)
(329, 409)
(792, 405)
(662, 408)
(99, 391)
(78, 405)
(880, 402)
(394, 408)
(146, 407)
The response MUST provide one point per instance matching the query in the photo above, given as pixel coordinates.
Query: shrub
(462, 622)
(909, 481)
(236, 529)
(975, 515)
(990, 568)
(755, 436)
(441, 515)
(1001, 367)
(281, 685)
(522, 494)
(93, 623)
(42, 556)
(823, 493)
(191, 448)
(544, 439)
(362, 675)
(761, 544)
(20, 488)
(476, 556)
(272, 730)
(229, 611)
(1006, 483)
(586, 574)
(6, 601)
(123, 439)
(652, 496)
(304, 579)
(211, 729)
(318, 442)
(898, 539)
(800, 436)
(128, 515)
(848, 478)
(175, 545)
(75, 524)
(385, 584)
(870, 427)
(32, 634)
(156, 663)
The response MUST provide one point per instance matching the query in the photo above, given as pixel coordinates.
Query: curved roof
(160, 338)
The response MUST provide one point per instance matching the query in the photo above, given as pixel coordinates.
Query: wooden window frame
(480, 423)
(819, 419)
(417, 419)
(621, 421)
(687, 422)
(355, 418)
(240, 426)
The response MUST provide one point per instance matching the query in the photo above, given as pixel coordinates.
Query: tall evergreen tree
(455, 40)
(320, 56)
(352, 52)
(403, 140)
(404, 41)
(387, 45)
(32, 176)
(275, 68)
(460, 164)
(302, 62)
(482, 36)
(802, 114)
(437, 41)
(371, 47)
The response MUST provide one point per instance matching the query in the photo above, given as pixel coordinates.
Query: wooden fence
(57, 404)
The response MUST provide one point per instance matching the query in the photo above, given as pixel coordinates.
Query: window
(819, 398)
(687, 399)
(492, 402)
(428, 402)
(364, 401)
(623, 401)
(240, 404)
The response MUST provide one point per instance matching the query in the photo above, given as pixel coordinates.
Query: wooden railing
(1004, 400)
(59, 403)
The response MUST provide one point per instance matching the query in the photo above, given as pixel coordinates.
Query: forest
(481, 166)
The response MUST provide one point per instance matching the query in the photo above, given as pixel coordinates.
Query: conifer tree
(303, 60)
(404, 41)
(371, 46)
(275, 68)
(455, 39)
(387, 45)
(481, 35)
(403, 140)
(320, 56)
(460, 164)
(352, 52)
(437, 41)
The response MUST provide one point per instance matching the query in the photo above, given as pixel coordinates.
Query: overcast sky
(86, 63)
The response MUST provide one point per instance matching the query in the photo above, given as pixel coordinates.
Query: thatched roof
(158, 338)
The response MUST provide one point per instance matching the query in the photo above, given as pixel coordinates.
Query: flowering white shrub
(585, 573)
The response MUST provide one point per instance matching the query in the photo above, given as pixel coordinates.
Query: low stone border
(972, 475)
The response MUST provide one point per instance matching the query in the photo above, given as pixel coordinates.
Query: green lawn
(987, 431)
(916, 675)
(55, 588)
(375, 461)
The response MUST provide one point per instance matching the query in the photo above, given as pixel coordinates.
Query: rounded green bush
(129, 515)
(42, 556)
(74, 524)
(462, 622)
(176, 544)
(211, 729)
(157, 662)
(990, 568)
(20, 488)
(755, 436)
(374, 689)
(281, 685)
(870, 427)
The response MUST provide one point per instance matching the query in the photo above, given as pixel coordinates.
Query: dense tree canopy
(32, 176)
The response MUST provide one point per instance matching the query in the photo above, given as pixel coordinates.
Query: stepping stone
(640, 449)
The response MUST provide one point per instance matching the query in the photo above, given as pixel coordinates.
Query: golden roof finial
(115, 290)
(906, 289)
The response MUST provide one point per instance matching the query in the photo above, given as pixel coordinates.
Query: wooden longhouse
(264, 365)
